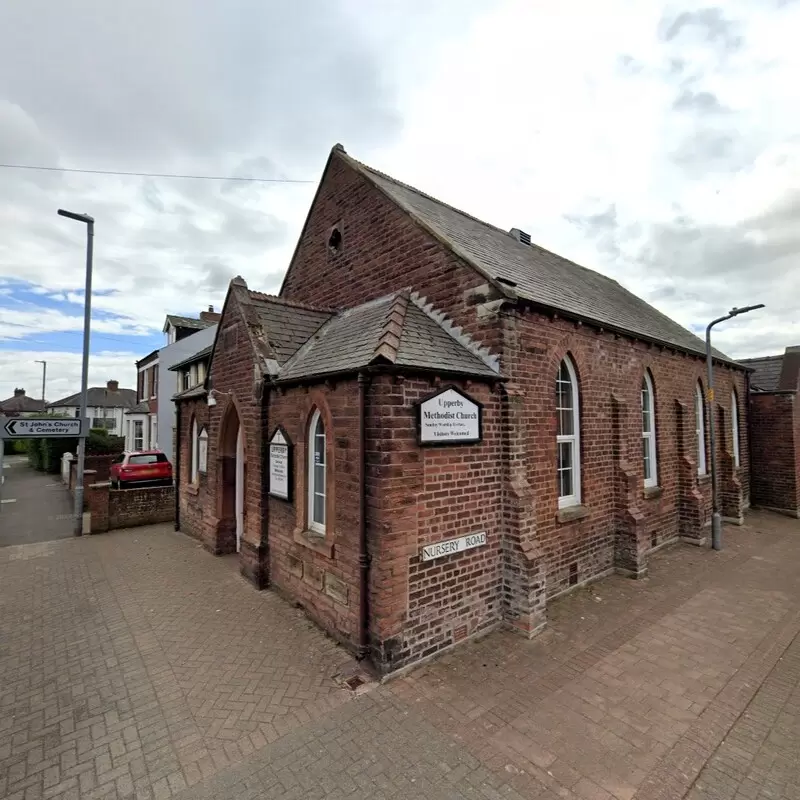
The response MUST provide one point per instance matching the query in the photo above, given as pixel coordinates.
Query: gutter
(364, 558)
(177, 444)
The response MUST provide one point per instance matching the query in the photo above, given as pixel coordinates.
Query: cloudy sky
(656, 142)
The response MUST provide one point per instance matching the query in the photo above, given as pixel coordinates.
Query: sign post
(38, 428)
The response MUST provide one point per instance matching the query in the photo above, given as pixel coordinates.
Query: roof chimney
(790, 370)
(112, 386)
(210, 315)
(520, 236)
(19, 393)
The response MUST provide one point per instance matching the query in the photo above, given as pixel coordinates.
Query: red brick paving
(134, 664)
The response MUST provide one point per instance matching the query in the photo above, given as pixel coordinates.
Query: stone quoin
(472, 426)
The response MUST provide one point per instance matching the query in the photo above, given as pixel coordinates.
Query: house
(150, 425)
(775, 431)
(438, 426)
(19, 404)
(105, 406)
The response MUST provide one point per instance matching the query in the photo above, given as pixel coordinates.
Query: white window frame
(194, 444)
(573, 439)
(138, 427)
(313, 488)
(700, 428)
(735, 429)
(649, 437)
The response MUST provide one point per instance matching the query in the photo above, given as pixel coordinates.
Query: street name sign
(433, 551)
(41, 427)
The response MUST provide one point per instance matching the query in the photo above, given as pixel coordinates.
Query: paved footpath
(133, 664)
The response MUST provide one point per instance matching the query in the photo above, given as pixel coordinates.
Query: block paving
(135, 665)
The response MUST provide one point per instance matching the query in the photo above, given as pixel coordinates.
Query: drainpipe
(263, 547)
(364, 558)
(177, 470)
(749, 440)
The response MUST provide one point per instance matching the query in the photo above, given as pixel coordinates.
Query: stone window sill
(572, 513)
(193, 488)
(314, 541)
(704, 478)
(652, 492)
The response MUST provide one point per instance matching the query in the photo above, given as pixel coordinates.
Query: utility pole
(87, 323)
(716, 515)
(44, 382)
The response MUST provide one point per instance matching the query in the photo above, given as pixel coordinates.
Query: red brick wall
(609, 367)
(382, 251)
(775, 443)
(232, 374)
(128, 508)
(322, 575)
(419, 496)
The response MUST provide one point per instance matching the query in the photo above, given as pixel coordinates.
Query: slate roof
(767, 372)
(198, 356)
(100, 396)
(187, 394)
(21, 404)
(142, 407)
(396, 329)
(188, 322)
(535, 274)
(287, 325)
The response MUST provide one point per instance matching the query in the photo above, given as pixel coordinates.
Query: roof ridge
(389, 340)
(274, 298)
(760, 358)
(448, 326)
(362, 167)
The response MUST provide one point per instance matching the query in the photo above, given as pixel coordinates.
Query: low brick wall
(129, 508)
(101, 464)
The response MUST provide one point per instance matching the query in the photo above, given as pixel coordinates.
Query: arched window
(316, 474)
(700, 429)
(568, 436)
(735, 427)
(649, 432)
(193, 452)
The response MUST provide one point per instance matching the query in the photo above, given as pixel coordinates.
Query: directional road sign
(42, 427)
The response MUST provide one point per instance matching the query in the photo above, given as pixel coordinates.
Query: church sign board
(280, 465)
(449, 417)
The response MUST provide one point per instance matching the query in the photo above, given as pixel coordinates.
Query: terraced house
(438, 426)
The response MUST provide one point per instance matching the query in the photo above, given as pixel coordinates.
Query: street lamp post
(716, 516)
(44, 380)
(87, 320)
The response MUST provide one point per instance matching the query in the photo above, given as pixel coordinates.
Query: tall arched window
(193, 474)
(700, 429)
(735, 427)
(649, 432)
(568, 435)
(316, 474)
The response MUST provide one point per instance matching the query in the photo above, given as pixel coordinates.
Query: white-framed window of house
(186, 380)
(735, 428)
(201, 371)
(138, 434)
(202, 452)
(153, 433)
(193, 375)
(700, 428)
(316, 474)
(194, 453)
(145, 384)
(649, 432)
(568, 435)
(154, 381)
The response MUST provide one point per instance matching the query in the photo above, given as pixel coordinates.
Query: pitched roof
(21, 403)
(285, 324)
(188, 394)
(767, 372)
(142, 407)
(396, 329)
(533, 273)
(198, 356)
(188, 322)
(100, 396)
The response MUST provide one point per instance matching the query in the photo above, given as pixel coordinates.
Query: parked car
(141, 468)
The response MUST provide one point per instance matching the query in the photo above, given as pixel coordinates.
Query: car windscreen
(149, 458)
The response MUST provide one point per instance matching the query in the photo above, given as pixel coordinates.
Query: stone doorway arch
(231, 483)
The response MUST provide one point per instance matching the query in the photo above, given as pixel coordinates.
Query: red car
(140, 468)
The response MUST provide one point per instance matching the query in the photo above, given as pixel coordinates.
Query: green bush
(53, 450)
(19, 446)
(35, 454)
(101, 442)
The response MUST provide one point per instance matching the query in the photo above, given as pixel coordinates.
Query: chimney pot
(112, 386)
(211, 309)
(19, 392)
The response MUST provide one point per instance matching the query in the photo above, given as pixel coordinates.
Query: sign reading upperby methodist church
(280, 465)
(450, 417)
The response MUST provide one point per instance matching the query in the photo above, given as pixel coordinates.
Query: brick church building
(438, 426)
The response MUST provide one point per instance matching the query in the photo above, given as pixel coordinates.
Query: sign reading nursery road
(440, 549)
(41, 427)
